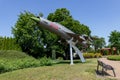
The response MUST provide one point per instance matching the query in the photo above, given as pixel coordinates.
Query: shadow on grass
(68, 62)
(102, 74)
(75, 61)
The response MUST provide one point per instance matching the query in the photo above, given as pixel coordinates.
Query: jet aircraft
(65, 33)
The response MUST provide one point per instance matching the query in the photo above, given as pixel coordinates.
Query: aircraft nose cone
(35, 19)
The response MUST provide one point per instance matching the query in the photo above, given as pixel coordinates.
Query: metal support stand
(72, 45)
(79, 53)
(71, 54)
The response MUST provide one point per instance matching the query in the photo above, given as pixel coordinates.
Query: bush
(9, 43)
(12, 54)
(97, 55)
(114, 57)
(25, 63)
(45, 61)
(2, 68)
(10, 65)
(13, 60)
(92, 55)
(88, 55)
(60, 58)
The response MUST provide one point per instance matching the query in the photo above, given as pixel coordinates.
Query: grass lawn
(114, 57)
(60, 71)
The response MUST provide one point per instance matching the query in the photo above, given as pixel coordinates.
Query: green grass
(60, 71)
(114, 57)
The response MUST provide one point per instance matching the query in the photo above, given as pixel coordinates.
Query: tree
(28, 35)
(63, 17)
(98, 43)
(37, 41)
(8, 43)
(114, 39)
(59, 15)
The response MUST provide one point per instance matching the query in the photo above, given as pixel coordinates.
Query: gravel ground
(115, 65)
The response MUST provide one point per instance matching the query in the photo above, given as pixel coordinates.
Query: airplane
(64, 33)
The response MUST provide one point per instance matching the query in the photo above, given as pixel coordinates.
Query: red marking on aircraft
(54, 26)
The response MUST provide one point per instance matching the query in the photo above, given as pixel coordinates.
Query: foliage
(9, 43)
(114, 39)
(39, 42)
(13, 60)
(105, 52)
(2, 68)
(12, 54)
(63, 16)
(98, 43)
(60, 58)
(114, 57)
(28, 35)
(59, 15)
(62, 71)
(97, 55)
(45, 61)
(92, 55)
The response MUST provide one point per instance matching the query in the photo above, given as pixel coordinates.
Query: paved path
(115, 65)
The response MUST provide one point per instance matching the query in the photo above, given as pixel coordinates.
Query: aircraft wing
(76, 37)
(82, 39)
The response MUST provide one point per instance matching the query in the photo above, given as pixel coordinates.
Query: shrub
(9, 43)
(13, 60)
(45, 61)
(60, 58)
(25, 63)
(10, 65)
(88, 55)
(97, 55)
(92, 55)
(12, 54)
(114, 57)
(2, 68)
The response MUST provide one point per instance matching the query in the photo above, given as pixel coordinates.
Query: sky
(101, 16)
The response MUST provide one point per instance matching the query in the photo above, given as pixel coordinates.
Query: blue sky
(102, 16)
